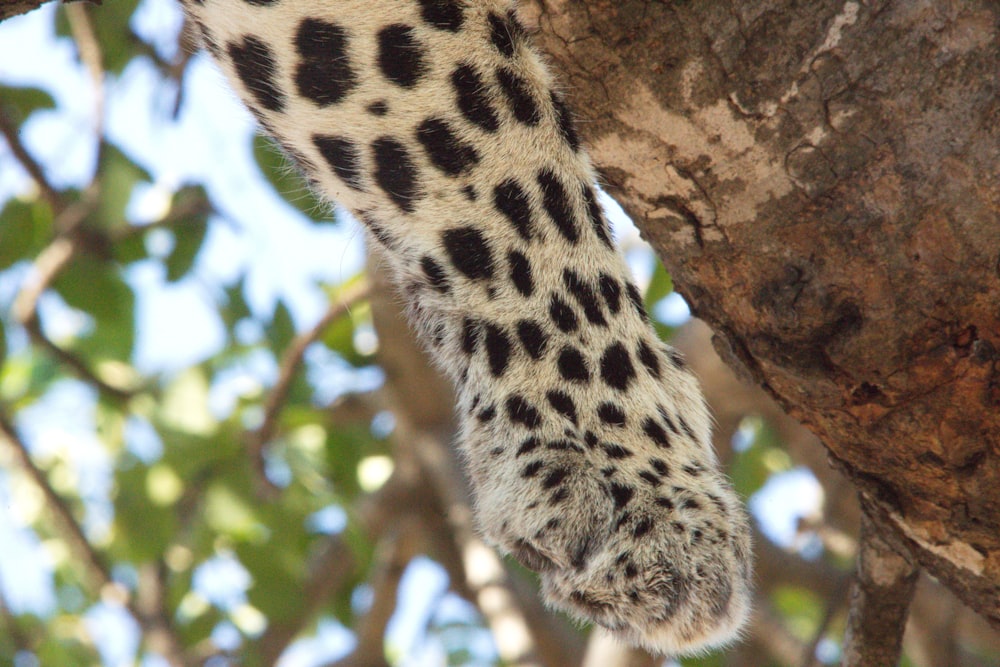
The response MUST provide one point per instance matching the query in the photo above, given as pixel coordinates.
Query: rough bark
(880, 601)
(822, 180)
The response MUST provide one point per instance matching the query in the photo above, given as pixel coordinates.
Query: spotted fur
(586, 439)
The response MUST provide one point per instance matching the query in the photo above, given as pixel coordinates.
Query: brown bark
(880, 601)
(822, 181)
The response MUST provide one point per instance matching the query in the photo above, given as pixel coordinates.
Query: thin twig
(48, 265)
(89, 47)
(97, 573)
(485, 574)
(34, 169)
(880, 601)
(258, 439)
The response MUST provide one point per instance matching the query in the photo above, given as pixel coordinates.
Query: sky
(283, 256)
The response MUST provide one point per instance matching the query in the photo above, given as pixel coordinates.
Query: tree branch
(96, 574)
(880, 599)
(30, 164)
(48, 265)
(485, 574)
(258, 439)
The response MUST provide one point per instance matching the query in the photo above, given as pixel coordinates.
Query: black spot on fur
(472, 99)
(469, 252)
(255, 66)
(564, 446)
(596, 215)
(395, 173)
(636, 299)
(616, 451)
(616, 367)
(520, 272)
(562, 403)
(503, 34)
(667, 420)
(532, 469)
(611, 291)
(400, 55)
(665, 503)
(532, 337)
(660, 466)
(584, 294)
(649, 359)
(435, 274)
(487, 413)
(609, 413)
(324, 75)
(565, 121)
(470, 336)
(442, 14)
(562, 314)
(521, 411)
(642, 526)
(343, 156)
(556, 203)
(676, 357)
(555, 478)
(650, 477)
(519, 97)
(470, 192)
(572, 365)
(445, 150)
(497, 349)
(511, 200)
(686, 428)
(378, 108)
(527, 446)
(622, 494)
(656, 433)
(379, 232)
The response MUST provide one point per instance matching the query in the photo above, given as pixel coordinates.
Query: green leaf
(660, 285)
(188, 238)
(281, 331)
(19, 103)
(286, 180)
(3, 343)
(143, 528)
(97, 288)
(111, 26)
(25, 227)
(119, 176)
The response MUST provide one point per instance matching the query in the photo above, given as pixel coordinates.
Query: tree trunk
(822, 179)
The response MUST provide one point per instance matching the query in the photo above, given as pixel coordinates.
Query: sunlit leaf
(97, 288)
(119, 176)
(281, 330)
(25, 228)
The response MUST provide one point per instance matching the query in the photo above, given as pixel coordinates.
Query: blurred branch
(97, 576)
(89, 48)
(258, 439)
(880, 600)
(49, 263)
(328, 570)
(34, 169)
(10, 8)
(485, 574)
(394, 552)
(96, 571)
(603, 650)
